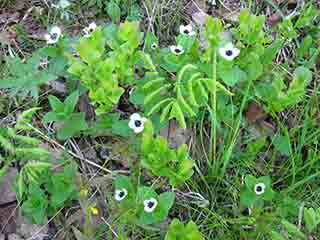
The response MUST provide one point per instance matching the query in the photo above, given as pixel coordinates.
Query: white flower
(259, 188)
(187, 30)
(120, 194)
(212, 2)
(90, 29)
(150, 205)
(229, 52)
(53, 36)
(136, 123)
(62, 4)
(154, 45)
(177, 50)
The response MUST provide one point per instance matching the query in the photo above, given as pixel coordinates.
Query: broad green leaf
(311, 218)
(293, 230)
(276, 236)
(56, 104)
(114, 11)
(70, 102)
(121, 128)
(271, 52)
(72, 126)
(282, 144)
(178, 230)
(232, 76)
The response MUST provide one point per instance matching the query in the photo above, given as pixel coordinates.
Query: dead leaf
(6, 186)
(8, 218)
(27, 230)
(199, 18)
(255, 113)
(56, 153)
(86, 107)
(14, 236)
(274, 19)
(9, 17)
(176, 136)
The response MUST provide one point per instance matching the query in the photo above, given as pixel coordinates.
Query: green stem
(213, 139)
(228, 152)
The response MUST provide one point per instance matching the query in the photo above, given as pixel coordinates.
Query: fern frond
(157, 107)
(6, 144)
(155, 93)
(31, 153)
(24, 140)
(25, 118)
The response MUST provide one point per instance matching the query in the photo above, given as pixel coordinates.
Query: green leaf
(178, 230)
(177, 113)
(247, 198)
(91, 49)
(34, 208)
(282, 144)
(276, 236)
(213, 31)
(166, 201)
(114, 11)
(293, 230)
(232, 76)
(70, 102)
(53, 117)
(129, 32)
(306, 16)
(311, 218)
(121, 128)
(271, 52)
(72, 126)
(56, 104)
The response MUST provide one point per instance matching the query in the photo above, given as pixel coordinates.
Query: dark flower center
(90, 30)
(137, 123)
(186, 31)
(150, 204)
(53, 36)
(259, 189)
(177, 50)
(229, 53)
(121, 194)
(154, 45)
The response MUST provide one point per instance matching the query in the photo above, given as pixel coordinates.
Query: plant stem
(228, 152)
(213, 139)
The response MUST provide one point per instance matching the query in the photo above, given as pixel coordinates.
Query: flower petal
(236, 52)
(138, 129)
(131, 124)
(222, 51)
(47, 37)
(229, 46)
(56, 30)
(92, 25)
(135, 116)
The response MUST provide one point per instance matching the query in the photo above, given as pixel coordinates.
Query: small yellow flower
(94, 211)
